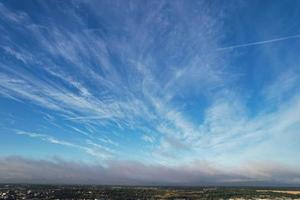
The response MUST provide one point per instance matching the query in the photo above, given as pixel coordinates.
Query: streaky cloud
(146, 82)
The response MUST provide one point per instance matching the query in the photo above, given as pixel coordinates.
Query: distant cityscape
(69, 192)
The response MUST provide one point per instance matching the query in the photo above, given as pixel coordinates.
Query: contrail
(258, 43)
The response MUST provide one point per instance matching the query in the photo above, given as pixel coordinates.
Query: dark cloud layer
(21, 170)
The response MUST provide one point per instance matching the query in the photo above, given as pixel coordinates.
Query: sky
(150, 92)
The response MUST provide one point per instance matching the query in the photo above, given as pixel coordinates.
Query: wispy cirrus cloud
(90, 147)
(104, 95)
(127, 88)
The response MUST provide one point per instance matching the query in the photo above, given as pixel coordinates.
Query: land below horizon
(93, 192)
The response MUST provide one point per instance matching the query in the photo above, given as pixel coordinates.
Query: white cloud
(148, 138)
(92, 148)
(128, 83)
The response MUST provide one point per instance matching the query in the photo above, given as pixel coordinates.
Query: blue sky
(205, 90)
